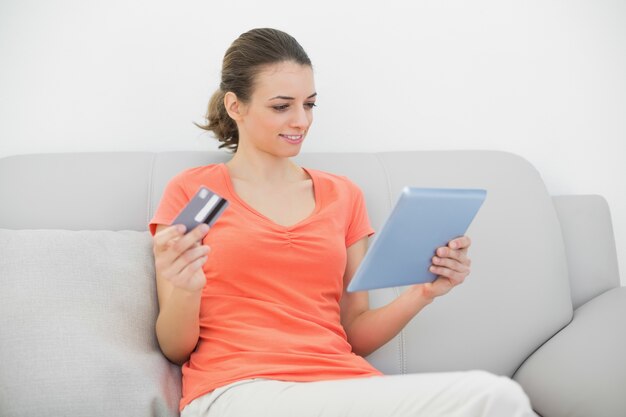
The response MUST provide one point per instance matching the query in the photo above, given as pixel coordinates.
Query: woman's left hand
(451, 265)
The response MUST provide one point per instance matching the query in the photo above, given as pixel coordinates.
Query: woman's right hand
(179, 257)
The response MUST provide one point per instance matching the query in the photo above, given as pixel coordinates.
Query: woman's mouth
(294, 139)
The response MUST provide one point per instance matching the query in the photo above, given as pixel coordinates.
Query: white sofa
(77, 298)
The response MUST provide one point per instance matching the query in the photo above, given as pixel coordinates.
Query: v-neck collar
(307, 219)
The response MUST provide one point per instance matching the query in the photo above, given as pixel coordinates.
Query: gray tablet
(422, 220)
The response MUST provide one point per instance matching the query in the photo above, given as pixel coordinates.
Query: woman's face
(280, 110)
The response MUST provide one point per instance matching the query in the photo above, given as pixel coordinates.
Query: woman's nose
(301, 119)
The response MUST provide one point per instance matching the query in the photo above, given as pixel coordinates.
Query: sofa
(543, 304)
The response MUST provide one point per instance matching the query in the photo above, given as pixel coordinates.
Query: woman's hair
(244, 59)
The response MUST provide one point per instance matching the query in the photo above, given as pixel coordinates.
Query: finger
(452, 264)
(189, 240)
(459, 255)
(163, 237)
(168, 252)
(187, 258)
(183, 277)
(455, 277)
(199, 232)
(462, 242)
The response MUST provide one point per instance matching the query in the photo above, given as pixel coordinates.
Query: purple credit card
(204, 207)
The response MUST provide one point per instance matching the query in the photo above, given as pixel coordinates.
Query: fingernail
(180, 228)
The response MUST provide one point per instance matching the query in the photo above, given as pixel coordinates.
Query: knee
(503, 394)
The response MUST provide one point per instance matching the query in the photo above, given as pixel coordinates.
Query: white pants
(457, 394)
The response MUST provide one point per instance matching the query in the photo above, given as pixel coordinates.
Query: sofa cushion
(77, 314)
(581, 371)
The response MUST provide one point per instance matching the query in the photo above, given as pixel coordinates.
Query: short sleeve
(359, 224)
(174, 198)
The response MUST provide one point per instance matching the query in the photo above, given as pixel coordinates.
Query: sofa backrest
(516, 298)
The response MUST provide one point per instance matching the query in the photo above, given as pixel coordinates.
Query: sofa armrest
(581, 371)
(589, 245)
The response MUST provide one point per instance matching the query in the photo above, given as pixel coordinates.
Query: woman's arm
(180, 279)
(367, 329)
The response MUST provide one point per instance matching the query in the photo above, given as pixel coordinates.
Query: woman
(256, 309)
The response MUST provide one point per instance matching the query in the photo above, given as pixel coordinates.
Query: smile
(293, 138)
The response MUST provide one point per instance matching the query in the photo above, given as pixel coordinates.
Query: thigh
(465, 394)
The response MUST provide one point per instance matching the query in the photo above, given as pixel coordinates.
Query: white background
(541, 78)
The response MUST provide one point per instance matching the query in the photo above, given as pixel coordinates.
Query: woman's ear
(234, 107)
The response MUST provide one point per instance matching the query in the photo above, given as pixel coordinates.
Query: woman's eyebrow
(290, 98)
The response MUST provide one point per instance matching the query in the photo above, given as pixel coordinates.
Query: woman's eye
(284, 107)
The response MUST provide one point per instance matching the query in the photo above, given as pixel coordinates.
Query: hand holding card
(204, 207)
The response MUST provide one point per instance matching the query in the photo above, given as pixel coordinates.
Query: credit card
(204, 207)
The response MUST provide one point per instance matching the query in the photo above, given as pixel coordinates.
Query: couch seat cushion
(77, 314)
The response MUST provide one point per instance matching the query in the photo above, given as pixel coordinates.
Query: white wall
(544, 79)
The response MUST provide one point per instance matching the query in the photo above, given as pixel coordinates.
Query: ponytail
(219, 122)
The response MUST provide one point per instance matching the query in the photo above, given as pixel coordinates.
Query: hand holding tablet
(422, 220)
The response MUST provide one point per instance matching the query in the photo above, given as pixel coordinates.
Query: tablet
(422, 220)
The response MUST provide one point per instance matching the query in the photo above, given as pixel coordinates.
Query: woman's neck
(264, 168)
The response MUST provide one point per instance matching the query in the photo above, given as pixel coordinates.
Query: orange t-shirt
(270, 306)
